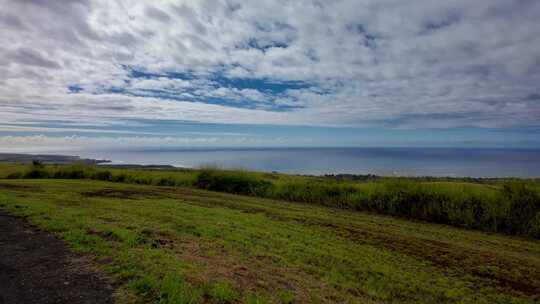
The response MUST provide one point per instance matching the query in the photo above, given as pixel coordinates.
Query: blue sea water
(455, 162)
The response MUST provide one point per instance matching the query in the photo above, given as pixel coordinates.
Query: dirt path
(36, 267)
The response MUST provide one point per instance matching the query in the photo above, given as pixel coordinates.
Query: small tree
(37, 163)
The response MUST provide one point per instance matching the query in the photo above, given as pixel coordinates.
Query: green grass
(183, 245)
(505, 206)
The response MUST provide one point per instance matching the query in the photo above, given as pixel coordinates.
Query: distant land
(59, 159)
(48, 159)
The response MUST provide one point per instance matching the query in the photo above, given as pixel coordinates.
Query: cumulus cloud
(372, 63)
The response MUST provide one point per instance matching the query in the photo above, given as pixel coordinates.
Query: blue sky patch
(260, 84)
(75, 89)
(220, 80)
(272, 89)
(134, 72)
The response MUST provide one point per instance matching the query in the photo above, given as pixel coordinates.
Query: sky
(82, 74)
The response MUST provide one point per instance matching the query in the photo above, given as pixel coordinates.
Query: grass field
(510, 206)
(184, 245)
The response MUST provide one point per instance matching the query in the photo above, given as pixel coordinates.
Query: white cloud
(69, 144)
(370, 63)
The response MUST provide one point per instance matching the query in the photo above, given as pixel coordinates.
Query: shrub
(37, 163)
(15, 175)
(70, 173)
(524, 207)
(166, 181)
(324, 193)
(36, 173)
(141, 181)
(534, 226)
(232, 182)
(102, 175)
(36, 170)
(120, 178)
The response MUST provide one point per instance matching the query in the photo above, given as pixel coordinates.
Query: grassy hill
(180, 244)
(509, 206)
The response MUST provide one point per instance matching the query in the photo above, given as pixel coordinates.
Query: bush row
(232, 182)
(88, 172)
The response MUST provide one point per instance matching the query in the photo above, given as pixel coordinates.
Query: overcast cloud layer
(380, 63)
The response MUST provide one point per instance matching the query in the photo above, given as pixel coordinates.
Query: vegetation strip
(504, 206)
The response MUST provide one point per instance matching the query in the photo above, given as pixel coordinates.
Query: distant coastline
(48, 159)
(61, 159)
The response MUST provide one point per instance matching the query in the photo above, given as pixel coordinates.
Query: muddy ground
(36, 267)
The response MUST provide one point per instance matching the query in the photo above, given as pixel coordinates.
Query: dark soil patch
(123, 193)
(20, 187)
(36, 267)
(106, 235)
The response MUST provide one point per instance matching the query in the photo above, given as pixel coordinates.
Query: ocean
(453, 162)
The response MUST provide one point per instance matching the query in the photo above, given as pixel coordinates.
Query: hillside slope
(181, 245)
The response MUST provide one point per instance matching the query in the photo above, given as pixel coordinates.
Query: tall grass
(513, 207)
(237, 182)
(81, 171)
